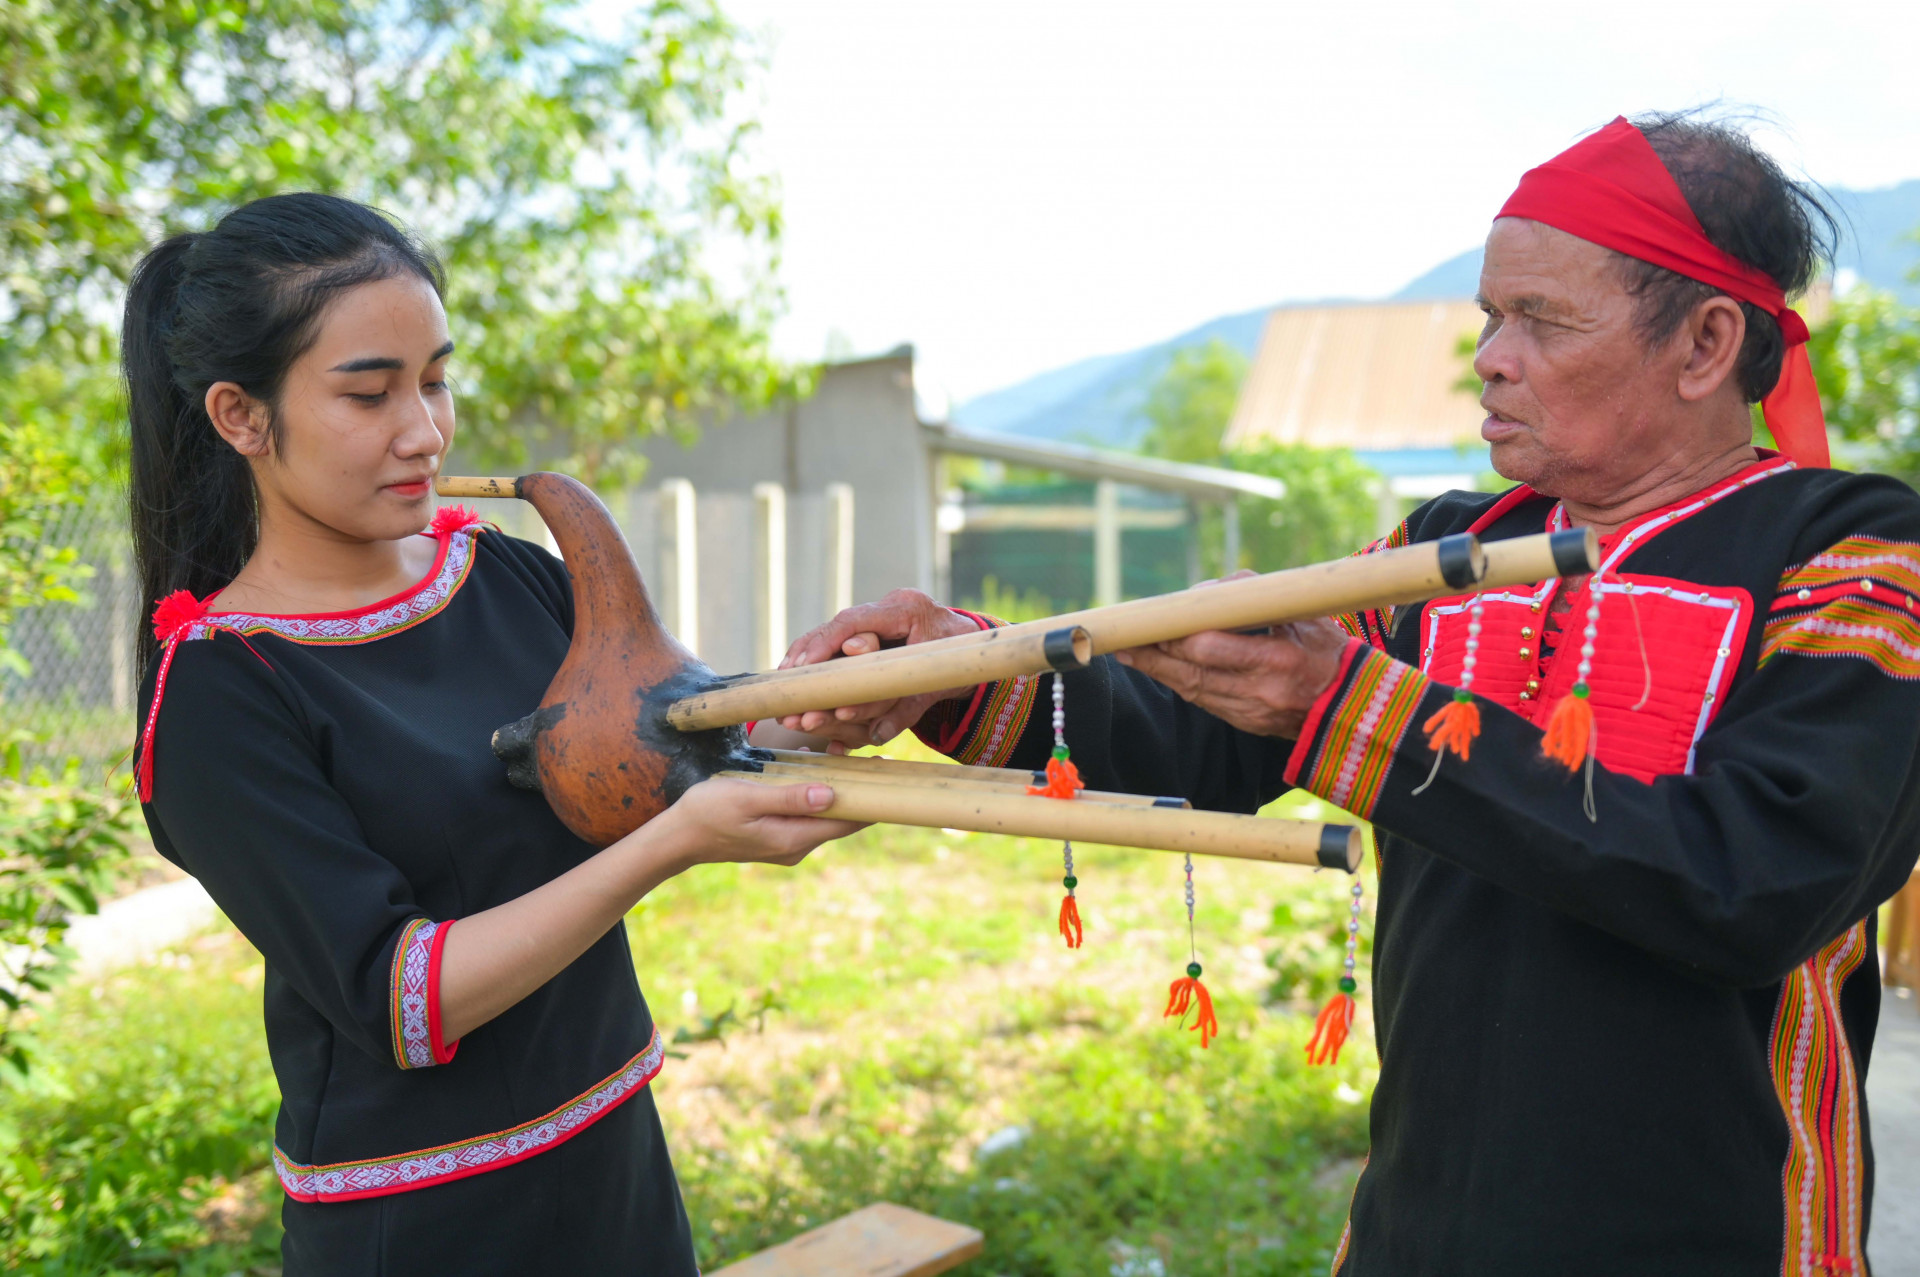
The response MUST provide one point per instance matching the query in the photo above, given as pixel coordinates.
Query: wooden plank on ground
(1903, 936)
(881, 1240)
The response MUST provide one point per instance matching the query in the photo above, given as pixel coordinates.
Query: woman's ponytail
(237, 303)
(193, 502)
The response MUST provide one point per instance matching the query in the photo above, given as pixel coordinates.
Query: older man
(1624, 1010)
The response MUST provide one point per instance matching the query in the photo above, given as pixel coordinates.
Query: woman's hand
(498, 956)
(743, 822)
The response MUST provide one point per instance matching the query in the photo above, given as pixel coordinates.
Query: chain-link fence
(78, 699)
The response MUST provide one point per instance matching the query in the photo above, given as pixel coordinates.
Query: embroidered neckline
(1625, 539)
(418, 602)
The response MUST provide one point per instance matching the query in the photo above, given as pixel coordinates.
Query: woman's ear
(240, 419)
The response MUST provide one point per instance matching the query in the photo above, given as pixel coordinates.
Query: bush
(62, 846)
(141, 1143)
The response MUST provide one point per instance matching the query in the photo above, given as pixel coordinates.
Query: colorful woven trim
(984, 731)
(1347, 746)
(1374, 624)
(414, 995)
(998, 725)
(1860, 599)
(390, 616)
(1823, 1182)
(348, 1181)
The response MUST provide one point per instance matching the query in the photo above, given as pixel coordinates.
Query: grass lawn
(917, 1001)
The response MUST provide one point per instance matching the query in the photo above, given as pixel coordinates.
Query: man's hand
(904, 616)
(1260, 683)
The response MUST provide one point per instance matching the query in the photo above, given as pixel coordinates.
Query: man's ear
(1715, 331)
(240, 419)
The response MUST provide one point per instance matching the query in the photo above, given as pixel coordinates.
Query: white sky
(1013, 186)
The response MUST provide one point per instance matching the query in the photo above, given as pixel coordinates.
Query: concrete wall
(859, 428)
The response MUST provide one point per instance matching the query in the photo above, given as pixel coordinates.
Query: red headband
(1612, 190)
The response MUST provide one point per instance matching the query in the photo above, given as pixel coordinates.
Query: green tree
(1330, 506)
(1866, 357)
(1330, 509)
(611, 250)
(1189, 405)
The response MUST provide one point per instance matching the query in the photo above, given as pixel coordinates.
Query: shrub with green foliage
(141, 1145)
(62, 847)
(1866, 357)
(1330, 509)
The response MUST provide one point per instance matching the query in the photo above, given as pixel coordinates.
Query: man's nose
(1496, 357)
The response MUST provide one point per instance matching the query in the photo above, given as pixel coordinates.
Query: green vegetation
(1188, 407)
(1866, 357)
(141, 1145)
(924, 1003)
(1330, 509)
(62, 842)
(580, 174)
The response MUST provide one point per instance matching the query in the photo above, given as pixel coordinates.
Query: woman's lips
(417, 488)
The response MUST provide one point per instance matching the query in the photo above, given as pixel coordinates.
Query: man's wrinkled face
(1576, 406)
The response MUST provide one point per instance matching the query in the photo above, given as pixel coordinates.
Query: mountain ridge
(1098, 400)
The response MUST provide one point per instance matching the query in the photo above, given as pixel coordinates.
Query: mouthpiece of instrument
(455, 485)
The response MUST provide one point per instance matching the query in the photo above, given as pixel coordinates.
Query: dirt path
(1893, 1100)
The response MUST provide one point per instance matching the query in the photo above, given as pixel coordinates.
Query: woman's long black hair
(237, 303)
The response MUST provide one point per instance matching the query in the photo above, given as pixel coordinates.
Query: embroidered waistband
(376, 1177)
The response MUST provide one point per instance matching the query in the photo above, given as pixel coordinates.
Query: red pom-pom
(173, 614)
(452, 518)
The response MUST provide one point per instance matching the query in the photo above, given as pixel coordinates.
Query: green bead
(1347, 985)
(1059, 751)
(1193, 969)
(1070, 881)
(1462, 695)
(1581, 690)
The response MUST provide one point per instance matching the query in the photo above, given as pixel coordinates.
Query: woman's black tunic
(329, 780)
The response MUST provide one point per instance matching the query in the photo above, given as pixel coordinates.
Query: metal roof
(1377, 376)
(1210, 482)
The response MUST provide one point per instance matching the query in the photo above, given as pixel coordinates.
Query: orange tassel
(1063, 779)
(1455, 726)
(1330, 1030)
(1188, 994)
(1070, 921)
(1570, 730)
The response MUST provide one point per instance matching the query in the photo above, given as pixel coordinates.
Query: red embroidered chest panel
(1665, 650)
(1664, 655)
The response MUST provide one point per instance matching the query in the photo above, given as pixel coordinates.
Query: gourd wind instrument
(632, 719)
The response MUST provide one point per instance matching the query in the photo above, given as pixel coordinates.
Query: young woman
(462, 1049)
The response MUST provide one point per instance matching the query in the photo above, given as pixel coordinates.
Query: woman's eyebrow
(387, 363)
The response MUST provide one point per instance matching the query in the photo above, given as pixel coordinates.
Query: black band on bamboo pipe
(1334, 842)
(1058, 647)
(1569, 547)
(1457, 566)
(1170, 802)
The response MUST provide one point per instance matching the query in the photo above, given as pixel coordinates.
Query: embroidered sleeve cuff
(415, 995)
(983, 730)
(1347, 744)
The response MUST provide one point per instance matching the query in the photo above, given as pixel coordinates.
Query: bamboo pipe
(1405, 575)
(980, 809)
(906, 767)
(829, 774)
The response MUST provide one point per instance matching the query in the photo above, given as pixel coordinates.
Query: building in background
(767, 525)
(1384, 379)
